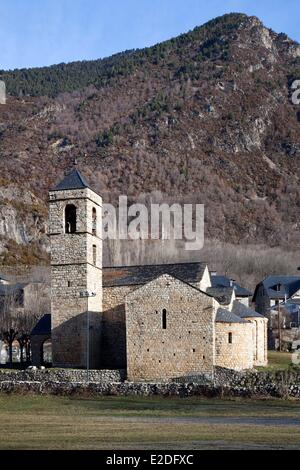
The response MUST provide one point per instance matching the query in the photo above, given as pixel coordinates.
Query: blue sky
(45, 32)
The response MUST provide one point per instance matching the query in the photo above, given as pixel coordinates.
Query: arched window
(94, 221)
(70, 219)
(94, 255)
(164, 319)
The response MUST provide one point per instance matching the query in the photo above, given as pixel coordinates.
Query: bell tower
(75, 231)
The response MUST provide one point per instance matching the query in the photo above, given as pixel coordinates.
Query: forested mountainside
(204, 117)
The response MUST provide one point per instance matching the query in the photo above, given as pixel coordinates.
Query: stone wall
(62, 375)
(237, 355)
(260, 340)
(283, 384)
(185, 344)
(113, 339)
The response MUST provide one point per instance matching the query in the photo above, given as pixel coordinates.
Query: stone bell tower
(76, 272)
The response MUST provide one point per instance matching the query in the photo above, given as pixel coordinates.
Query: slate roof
(43, 326)
(221, 294)
(243, 311)
(224, 316)
(289, 285)
(3, 278)
(223, 281)
(138, 275)
(73, 180)
(292, 302)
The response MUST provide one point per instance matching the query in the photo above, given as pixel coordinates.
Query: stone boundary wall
(226, 383)
(148, 389)
(62, 375)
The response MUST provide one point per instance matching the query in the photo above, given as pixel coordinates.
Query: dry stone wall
(225, 383)
(62, 375)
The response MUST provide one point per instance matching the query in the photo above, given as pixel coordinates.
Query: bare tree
(9, 318)
(20, 310)
(37, 303)
(26, 322)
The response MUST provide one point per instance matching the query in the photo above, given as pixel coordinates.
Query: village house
(275, 289)
(278, 299)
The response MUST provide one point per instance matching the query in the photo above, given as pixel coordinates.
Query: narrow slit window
(94, 221)
(164, 319)
(94, 255)
(230, 338)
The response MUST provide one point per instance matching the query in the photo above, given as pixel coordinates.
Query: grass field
(278, 361)
(47, 422)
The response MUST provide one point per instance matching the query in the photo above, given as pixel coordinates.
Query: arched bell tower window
(70, 218)
(94, 221)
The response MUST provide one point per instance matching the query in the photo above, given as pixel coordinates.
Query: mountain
(206, 116)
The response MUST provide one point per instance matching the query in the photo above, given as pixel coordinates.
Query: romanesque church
(158, 322)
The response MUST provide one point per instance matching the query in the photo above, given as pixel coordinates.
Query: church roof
(43, 326)
(137, 275)
(224, 316)
(224, 281)
(73, 180)
(222, 294)
(243, 311)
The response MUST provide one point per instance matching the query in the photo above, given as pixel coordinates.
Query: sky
(36, 33)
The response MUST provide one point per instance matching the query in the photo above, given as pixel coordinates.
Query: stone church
(158, 322)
